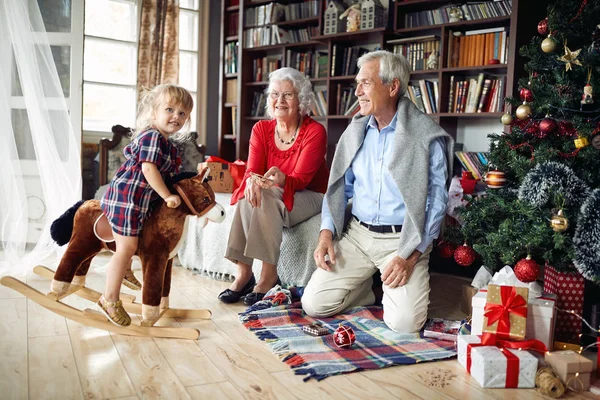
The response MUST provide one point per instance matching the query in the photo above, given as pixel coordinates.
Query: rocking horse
(87, 231)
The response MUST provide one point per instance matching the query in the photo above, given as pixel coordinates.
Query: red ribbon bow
(512, 361)
(510, 303)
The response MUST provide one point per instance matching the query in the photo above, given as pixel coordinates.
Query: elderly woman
(286, 178)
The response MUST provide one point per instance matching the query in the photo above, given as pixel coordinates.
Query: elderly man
(393, 162)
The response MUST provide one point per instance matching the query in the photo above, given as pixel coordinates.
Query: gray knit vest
(409, 168)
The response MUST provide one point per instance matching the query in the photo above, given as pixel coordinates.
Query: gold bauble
(548, 45)
(558, 222)
(495, 179)
(506, 119)
(524, 111)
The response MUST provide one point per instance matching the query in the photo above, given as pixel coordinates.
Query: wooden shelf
(477, 68)
(522, 25)
(232, 38)
(229, 137)
(232, 8)
(229, 105)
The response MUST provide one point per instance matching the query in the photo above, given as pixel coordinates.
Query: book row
(478, 47)
(275, 12)
(476, 95)
(468, 12)
(273, 35)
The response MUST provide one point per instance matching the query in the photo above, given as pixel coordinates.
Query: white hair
(391, 66)
(302, 86)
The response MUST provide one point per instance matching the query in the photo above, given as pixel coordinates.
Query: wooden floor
(44, 356)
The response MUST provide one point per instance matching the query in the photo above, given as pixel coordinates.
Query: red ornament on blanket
(344, 337)
(464, 255)
(527, 270)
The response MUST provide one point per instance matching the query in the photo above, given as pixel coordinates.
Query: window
(110, 62)
(189, 21)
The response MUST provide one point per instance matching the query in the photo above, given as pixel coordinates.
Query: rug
(318, 357)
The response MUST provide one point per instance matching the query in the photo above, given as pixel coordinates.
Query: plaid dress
(127, 201)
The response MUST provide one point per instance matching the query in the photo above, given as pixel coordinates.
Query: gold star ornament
(570, 58)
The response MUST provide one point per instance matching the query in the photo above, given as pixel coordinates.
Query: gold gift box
(517, 323)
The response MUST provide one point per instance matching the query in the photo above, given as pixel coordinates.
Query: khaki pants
(359, 254)
(257, 232)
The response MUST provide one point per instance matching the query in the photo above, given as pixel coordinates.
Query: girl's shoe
(131, 281)
(119, 316)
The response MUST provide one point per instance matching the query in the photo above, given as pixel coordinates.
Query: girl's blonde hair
(151, 99)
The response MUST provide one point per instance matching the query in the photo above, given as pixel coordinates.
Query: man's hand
(325, 248)
(399, 270)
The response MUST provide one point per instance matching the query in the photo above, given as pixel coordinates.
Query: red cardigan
(303, 164)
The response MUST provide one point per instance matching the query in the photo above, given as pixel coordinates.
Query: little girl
(151, 158)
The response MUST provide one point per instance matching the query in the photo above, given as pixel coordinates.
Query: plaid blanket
(376, 346)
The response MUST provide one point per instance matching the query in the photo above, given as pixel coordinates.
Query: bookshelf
(263, 43)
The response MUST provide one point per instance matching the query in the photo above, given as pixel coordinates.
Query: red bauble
(527, 270)
(547, 126)
(526, 95)
(344, 337)
(464, 255)
(446, 250)
(543, 27)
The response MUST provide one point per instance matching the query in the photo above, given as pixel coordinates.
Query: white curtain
(36, 138)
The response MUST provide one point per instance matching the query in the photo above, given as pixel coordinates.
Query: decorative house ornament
(332, 23)
(352, 14)
(371, 14)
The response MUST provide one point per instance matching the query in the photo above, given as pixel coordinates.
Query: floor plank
(241, 370)
(222, 390)
(42, 322)
(13, 348)
(103, 375)
(52, 369)
(150, 373)
(189, 363)
(310, 389)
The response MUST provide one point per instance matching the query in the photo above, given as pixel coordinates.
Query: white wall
(473, 133)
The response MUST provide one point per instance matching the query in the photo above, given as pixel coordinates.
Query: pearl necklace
(293, 137)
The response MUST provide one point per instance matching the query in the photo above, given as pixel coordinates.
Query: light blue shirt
(380, 201)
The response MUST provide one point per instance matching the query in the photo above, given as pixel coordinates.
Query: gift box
(443, 329)
(541, 316)
(568, 288)
(505, 311)
(494, 367)
(571, 368)
(468, 292)
(224, 176)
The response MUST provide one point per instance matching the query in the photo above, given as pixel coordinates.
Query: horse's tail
(62, 227)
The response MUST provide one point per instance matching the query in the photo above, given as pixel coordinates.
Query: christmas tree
(549, 205)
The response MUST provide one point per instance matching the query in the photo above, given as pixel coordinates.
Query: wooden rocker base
(98, 320)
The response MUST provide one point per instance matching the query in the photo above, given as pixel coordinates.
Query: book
(443, 329)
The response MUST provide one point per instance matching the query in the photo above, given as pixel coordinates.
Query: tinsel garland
(587, 238)
(546, 181)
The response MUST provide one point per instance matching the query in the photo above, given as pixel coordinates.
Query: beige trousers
(359, 254)
(257, 232)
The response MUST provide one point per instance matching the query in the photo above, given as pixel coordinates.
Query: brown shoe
(131, 281)
(119, 316)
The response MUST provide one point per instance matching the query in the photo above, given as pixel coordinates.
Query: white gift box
(489, 364)
(540, 317)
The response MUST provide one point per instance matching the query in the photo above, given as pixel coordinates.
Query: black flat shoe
(231, 296)
(253, 297)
